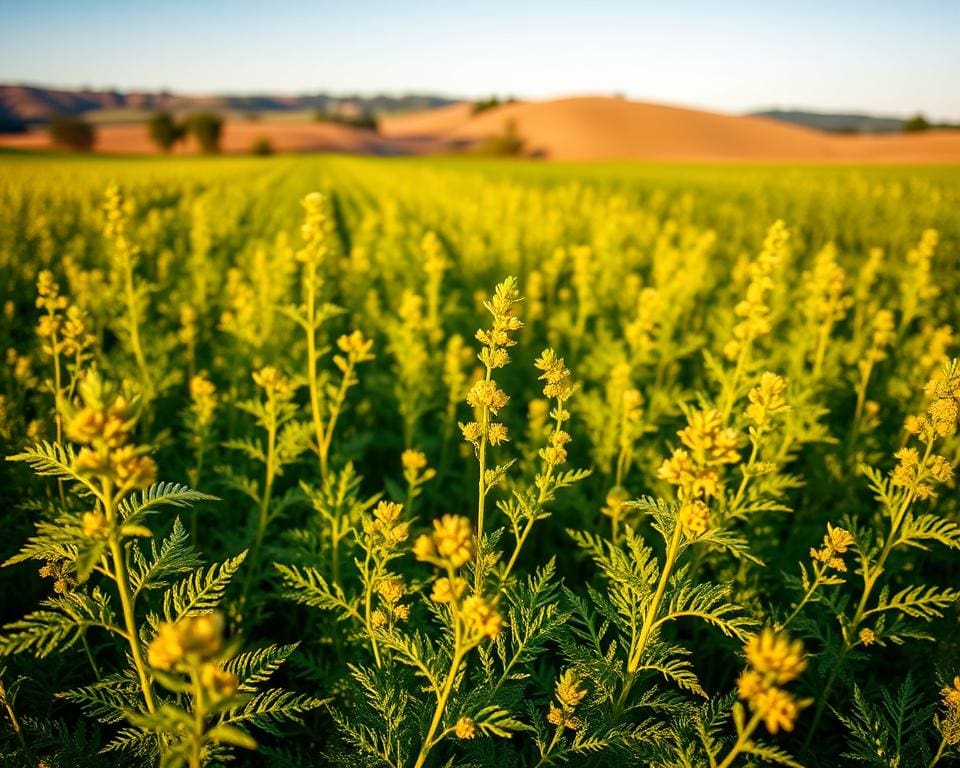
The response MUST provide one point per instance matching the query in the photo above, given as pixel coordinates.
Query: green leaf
(202, 591)
(228, 734)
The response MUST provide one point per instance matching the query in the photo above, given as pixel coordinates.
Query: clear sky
(881, 56)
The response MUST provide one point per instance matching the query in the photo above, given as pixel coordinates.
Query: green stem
(264, 512)
(126, 600)
(428, 742)
(742, 740)
(940, 751)
(650, 619)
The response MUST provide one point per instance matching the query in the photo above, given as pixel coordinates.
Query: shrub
(165, 131)
(206, 128)
(261, 146)
(72, 133)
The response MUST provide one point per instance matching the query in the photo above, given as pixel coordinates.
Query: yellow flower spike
(94, 525)
(693, 516)
(219, 684)
(569, 691)
(778, 709)
(480, 617)
(452, 539)
(448, 590)
(775, 655)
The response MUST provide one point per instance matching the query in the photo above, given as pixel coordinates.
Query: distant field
(495, 463)
(574, 129)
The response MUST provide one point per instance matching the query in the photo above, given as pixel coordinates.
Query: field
(448, 462)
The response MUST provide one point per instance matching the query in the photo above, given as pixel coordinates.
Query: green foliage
(165, 131)
(72, 133)
(205, 127)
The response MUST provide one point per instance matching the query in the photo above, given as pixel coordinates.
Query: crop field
(456, 462)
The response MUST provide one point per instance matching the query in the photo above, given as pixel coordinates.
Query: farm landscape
(527, 433)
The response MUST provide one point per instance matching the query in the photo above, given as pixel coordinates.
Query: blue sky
(881, 57)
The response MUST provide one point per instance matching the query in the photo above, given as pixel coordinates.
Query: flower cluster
(914, 470)
(415, 469)
(203, 400)
(313, 229)
(385, 529)
(824, 286)
(194, 645)
(753, 310)
(694, 517)
(836, 542)
(356, 348)
(449, 546)
(773, 662)
(766, 399)
(273, 383)
(485, 396)
(480, 618)
(711, 445)
(949, 722)
(558, 387)
(569, 693)
(103, 425)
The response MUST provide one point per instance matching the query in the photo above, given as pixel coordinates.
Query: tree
(72, 133)
(261, 146)
(165, 131)
(507, 144)
(916, 123)
(206, 128)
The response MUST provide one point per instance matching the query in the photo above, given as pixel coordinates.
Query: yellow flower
(867, 637)
(749, 684)
(569, 693)
(555, 374)
(693, 517)
(777, 708)
(447, 591)
(413, 460)
(391, 589)
(951, 694)
(219, 684)
(423, 548)
(497, 433)
(94, 524)
(273, 383)
(131, 469)
(678, 469)
(486, 394)
(836, 542)
(387, 511)
(192, 640)
(480, 618)
(453, 539)
(203, 395)
(766, 399)
(465, 728)
(357, 349)
(774, 655)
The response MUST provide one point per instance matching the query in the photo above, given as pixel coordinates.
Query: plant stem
(126, 600)
(742, 740)
(481, 489)
(649, 621)
(15, 723)
(940, 750)
(196, 748)
(264, 512)
(428, 742)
